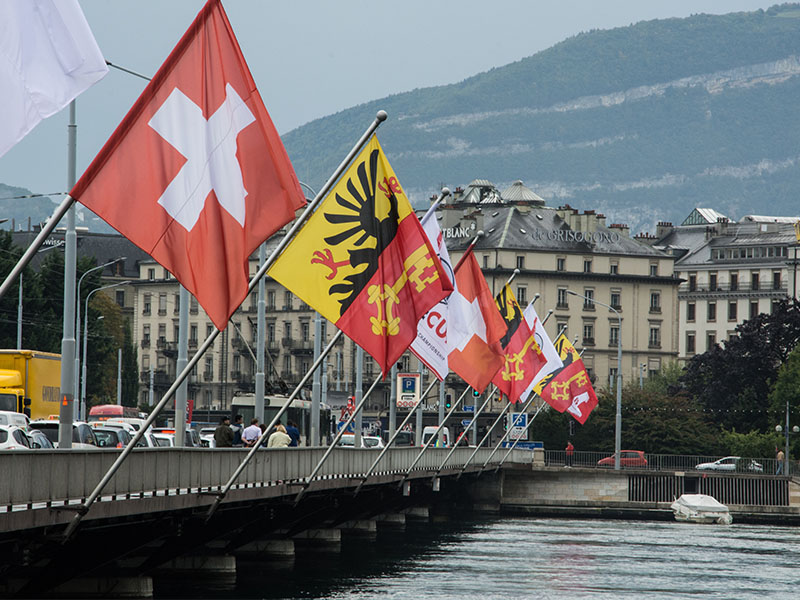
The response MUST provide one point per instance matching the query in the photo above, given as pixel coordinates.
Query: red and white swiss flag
(196, 174)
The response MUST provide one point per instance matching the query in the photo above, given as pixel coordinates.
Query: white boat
(699, 508)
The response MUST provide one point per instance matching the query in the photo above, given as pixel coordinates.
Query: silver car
(732, 463)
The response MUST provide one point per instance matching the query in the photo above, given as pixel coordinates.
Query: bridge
(152, 519)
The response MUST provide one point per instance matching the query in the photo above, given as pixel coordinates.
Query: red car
(627, 458)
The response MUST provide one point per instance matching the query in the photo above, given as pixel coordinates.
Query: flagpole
(474, 422)
(432, 210)
(335, 441)
(83, 509)
(434, 436)
(393, 438)
(469, 249)
(220, 495)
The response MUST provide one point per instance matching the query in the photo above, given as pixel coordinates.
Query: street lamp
(78, 317)
(85, 337)
(795, 429)
(618, 424)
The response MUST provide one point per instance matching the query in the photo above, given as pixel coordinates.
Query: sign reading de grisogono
(408, 389)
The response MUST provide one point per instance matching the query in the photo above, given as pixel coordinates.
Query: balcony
(208, 376)
(241, 377)
(588, 341)
(655, 310)
(238, 343)
(145, 342)
(192, 343)
(685, 291)
(162, 312)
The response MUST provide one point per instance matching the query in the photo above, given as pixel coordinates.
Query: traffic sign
(408, 385)
(469, 408)
(519, 426)
(466, 422)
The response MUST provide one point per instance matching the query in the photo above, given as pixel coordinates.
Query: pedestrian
(279, 438)
(251, 433)
(779, 459)
(294, 433)
(237, 428)
(223, 434)
(569, 450)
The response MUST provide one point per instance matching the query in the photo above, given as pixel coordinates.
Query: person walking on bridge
(223, 434)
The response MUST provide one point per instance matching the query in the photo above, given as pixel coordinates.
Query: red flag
(569, 388)
(196, 174)
(478, 354)
(523, 357)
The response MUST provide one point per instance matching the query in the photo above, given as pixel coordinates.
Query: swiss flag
(478, 354)
(196, 174)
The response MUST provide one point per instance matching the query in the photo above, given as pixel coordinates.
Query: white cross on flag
(196, 174)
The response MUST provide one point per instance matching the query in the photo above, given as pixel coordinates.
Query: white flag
(549, 351)
(432, 344)
(48, 57)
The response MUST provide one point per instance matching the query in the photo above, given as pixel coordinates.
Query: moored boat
(699, 508)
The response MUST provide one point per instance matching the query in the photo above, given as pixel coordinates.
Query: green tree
(787, 390)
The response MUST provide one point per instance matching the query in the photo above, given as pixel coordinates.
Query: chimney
(663, 228)
(621, 229)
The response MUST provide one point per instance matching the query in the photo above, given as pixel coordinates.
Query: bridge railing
(42, 478)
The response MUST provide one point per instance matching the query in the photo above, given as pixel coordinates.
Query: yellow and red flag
(474, 325)
(523, 357)
(568, 388)
(364, 262)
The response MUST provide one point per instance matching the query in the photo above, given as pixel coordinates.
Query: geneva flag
(364, 262)
(196, 174)
(478, 355)
(569, 388)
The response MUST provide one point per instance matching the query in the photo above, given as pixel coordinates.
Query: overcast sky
(312, 58)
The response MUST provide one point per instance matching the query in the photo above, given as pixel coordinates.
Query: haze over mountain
(642, 123)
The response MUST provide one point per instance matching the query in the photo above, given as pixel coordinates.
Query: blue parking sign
(409, 385)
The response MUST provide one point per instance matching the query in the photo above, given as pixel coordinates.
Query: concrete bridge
(151, 521)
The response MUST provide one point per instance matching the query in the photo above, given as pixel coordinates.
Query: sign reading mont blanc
(459, 231)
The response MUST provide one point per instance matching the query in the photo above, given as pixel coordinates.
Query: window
(655, 302)
(654, 270)
(690, 347)
(654, 341)
(305, 330)
(712, 311)
(162, 305)
(270, 333)
(209, 329)
(613, 335)
(176, 302)
(732, 310)
(588, 334)
(615, 301)
(145, 336)
(692, 282)
(776, 280)
(146, 362)
(287, 329)
(754, 308)
(405, 363)
(176, 333)
(588, 300)
(520, 262)
(587, 265)
(522, 296)
(561, 301)
(485, 261)
(162, 332)
(237, 362)
(147, 305)
(271, 300)
(614, 268)
(711, 340)
(712, 281)
(734, 282)
(561, 264)
(151, 274)
(208, 371)
(754, 280)
(612, 376)
(690, 311)
(287, 300)
(120, 298)
(193, 333)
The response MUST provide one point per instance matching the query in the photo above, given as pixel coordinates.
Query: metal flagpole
(335, 441)
(316, 386)
(358, 396)
(474, 421)
(485, 437)
(261, 318)
(393, 401)
(84, 508)
(183, 357)
(434, 436)
(220, 495)
(508, 432)
(392, 439)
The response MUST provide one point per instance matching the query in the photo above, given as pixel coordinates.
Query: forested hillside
(642, 122)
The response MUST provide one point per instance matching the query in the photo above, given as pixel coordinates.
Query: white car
(82, 435)
(13, 438)
(207, 437)
(367, 441)
(732, 463)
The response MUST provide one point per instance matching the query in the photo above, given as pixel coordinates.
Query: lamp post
(85, 338)
(78, 319)
(795, 429)
(618, 422)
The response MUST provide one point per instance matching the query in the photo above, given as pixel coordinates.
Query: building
(731, 272)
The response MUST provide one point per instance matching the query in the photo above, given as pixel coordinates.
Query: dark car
(627, 458)
(39, 440)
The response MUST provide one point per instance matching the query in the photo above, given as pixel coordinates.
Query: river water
(537, 558)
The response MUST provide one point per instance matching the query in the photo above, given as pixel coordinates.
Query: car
(111, 437)
(732, 463)
(367, 441)
(39, 440)
(163, 440)
(627, 458)
(13, 438)
(207, 437)
(8, 417)
(430, 431)
(82, 435)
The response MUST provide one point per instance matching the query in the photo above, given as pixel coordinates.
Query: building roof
(704, 216)
(518, 191)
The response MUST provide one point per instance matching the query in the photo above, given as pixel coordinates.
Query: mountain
(642, 123)
(23, 211)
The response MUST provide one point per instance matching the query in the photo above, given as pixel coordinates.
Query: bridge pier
(367, 528)
(277, 549)
(418, 513)
(105, 587)
(217, 568)
(319, 539)
(392, 521)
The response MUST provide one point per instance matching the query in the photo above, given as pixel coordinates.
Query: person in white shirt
(251, 433)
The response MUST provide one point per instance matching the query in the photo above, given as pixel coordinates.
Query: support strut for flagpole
(393, 438)
(475, 422)
(83, 509)
(220, 495)
(433, 437)
(510, 429)
(335, 441)
(485, 437)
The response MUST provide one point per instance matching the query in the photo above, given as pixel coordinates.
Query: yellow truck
(30, 382)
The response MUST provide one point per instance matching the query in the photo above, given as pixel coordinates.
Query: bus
(299, 411)
(104, 412)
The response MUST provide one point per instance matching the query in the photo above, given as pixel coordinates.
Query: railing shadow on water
(667, 462)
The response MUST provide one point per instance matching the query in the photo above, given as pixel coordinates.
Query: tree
(130, 369)
(787, 390)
